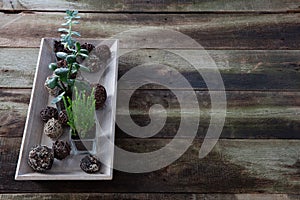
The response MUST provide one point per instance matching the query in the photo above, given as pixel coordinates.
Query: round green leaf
(71, 58)
(52, 82)
(84, 51)
(61, 71)
(52, 66)
(61, 55)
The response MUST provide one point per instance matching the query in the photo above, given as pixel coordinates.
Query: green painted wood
(154, 5)
(214, 31)
(249, 114)
(234, 166)
(240, 69)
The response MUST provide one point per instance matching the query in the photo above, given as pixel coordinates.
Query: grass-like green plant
(68, 106)
(81, 112)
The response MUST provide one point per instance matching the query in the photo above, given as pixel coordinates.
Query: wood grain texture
(155, 5)
(13, 111)
(253, 50)
(249, 114)
(148, 196)
(234, 166)
(240, 69)
(214, 31)
(17, 67)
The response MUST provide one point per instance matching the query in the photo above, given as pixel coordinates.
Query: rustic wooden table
(254, 43)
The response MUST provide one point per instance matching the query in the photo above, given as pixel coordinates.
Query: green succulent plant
(63, 78)
(66, 38)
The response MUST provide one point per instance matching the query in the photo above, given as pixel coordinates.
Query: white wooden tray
(69, 169)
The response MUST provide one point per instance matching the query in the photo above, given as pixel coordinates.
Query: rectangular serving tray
(69, 168)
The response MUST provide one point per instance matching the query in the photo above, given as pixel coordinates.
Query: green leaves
(61, 55)
(78, 47)
(63, 30)
(64, 76)
(71, 59)
(67, 40)
(58, 98)
(67, 23)
(62, 73)
(75, 33)
(52, 82)
(84, 68)
(52, 66)
(84, 51)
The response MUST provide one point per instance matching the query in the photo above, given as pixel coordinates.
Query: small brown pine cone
(100, 95)
(63, 117)
(103, 52)
(90, 164)
(61, 149)
(59, 47)
(88, 47)
(40, 158)
(48, 113)
(53, 129)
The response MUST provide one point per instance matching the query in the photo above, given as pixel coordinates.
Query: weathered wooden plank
(18, 67)
(240, 69)
(249, 114)
(13, 111)
(156, 5)
(234, 166)
(147, 196)
(215, 31)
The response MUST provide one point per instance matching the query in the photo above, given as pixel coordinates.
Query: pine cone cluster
(87, 46)
(53, 129)
(59, 47)
(100, 95)
(48, 113)
(90, 164)
(103, 52)
(40, 158)
(61, 149)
